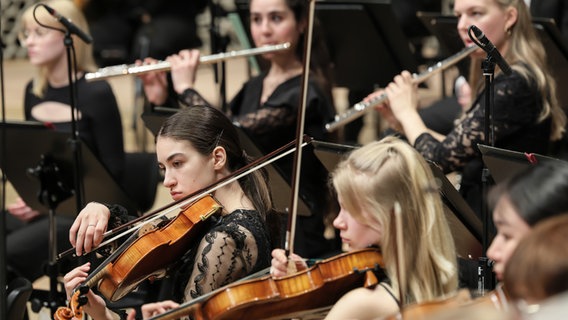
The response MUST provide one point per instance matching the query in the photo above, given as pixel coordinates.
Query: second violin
(312, 290)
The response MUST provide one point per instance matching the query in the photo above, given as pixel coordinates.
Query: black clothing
(272, 125)
(100, 128)
(99, 125)
(231, 247)
(516, 110)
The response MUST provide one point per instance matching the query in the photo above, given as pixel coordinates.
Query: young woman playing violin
(533, 195)
(537, 270)
(266, 107)
(195, 148)
(369, 184)
(532, 201)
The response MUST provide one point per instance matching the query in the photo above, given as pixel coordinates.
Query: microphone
(71, 27)
(492, 52)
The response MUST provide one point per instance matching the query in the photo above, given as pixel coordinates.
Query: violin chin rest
(370, 279)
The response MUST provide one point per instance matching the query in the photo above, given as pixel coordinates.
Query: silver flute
(129, 69)
(360, 108)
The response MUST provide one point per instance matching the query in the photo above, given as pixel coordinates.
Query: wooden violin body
(429, 309)
(147, 255)
(456, 306)
(154, 251)
(315, 288)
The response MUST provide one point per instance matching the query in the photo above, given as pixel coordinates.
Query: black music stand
(463, 218)
(504, 164)
(28, 142)
(278, 184)
(40, 166)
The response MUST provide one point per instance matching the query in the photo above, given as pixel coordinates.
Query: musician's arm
(363, 303)
(190, 97)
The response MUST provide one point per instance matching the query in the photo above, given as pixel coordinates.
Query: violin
(144, 256)
(315, 288)
(429, 309)
(495, 301)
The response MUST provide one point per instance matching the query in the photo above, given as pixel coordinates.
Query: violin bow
(291, 229)
(260, 163)
(399, 253)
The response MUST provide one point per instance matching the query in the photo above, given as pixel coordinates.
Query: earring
(508, 31)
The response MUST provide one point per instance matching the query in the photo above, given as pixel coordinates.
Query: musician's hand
(463, 93)
(22, 211)
(184, 69)
(89, 227)
(402, 95)
(279, 263)
(385, 111)
(75, 277)
(150, 310)
(155, 83)
(96, 306)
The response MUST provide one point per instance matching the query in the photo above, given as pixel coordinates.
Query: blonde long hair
(527, 55)
(84, 52)
(375, 177)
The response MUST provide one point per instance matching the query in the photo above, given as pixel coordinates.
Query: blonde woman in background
(47, 99)
(527, 115)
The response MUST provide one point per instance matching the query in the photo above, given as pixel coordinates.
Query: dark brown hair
(205, 128)
(538, 268)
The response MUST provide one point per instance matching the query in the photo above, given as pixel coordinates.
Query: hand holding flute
(183, 69)
(401, 99)
(399, 106)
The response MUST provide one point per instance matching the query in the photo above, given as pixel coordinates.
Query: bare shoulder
(364, 303)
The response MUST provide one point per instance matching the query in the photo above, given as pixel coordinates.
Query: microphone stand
(485, 279)
(3, 242)
(75, 144)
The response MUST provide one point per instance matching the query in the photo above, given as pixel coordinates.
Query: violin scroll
(74, 310)
(63, 313)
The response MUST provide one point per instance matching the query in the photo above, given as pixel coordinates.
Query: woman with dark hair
(534, 195)
(538, 268)
(266, 107)
(195, 148)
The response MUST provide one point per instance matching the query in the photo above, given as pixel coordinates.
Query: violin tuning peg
(83, 289)
(82, 300)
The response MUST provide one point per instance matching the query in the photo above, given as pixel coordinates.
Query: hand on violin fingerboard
(279, 263)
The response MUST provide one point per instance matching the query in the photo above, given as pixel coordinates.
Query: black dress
(516, 109)
(273, 124)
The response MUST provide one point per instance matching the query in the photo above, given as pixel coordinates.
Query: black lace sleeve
(237, 246)
(267, 119)
(190, 97)
(118, 215)
(516, 106)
